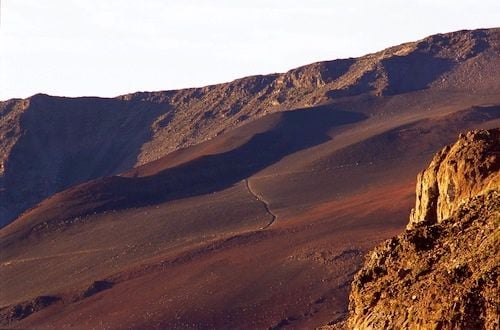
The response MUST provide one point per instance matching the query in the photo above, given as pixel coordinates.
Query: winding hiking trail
(274, 217)
(59, 255)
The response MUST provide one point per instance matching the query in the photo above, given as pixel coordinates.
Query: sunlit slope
(326, 185)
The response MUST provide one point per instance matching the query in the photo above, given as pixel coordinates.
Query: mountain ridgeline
(50, 143)
(250, 204)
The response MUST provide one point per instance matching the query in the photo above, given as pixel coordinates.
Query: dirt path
(274, 217)
(59, 255)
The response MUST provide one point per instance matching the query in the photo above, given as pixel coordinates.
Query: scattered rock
(24, 309)
(96, 287)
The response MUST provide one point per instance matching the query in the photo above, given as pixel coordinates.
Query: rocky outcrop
(457, 173)
(443, 272)
(11, 314)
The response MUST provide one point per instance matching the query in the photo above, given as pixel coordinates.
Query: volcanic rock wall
(443, 272)
(468, 168)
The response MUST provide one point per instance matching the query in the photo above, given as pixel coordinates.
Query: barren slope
(202, 259)
(261, 226)
(50, 143)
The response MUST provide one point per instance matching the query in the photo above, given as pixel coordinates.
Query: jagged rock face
(442, 274)
(456, 174)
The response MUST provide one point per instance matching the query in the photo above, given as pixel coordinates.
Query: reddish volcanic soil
(260, 227)
(204, 260)
(297, 270)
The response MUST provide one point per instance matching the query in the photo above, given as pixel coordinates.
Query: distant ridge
(50, 143)
(241, 205)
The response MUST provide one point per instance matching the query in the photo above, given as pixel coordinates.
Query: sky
(113, 47)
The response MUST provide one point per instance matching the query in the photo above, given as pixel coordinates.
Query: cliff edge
(457, 173)
(443, 271)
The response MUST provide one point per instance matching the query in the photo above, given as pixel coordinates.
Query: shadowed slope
(66, 141)
(288, 133)
(202, 260)
(178, 242)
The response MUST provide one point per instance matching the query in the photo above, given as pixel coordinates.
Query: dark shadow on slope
(396, 75)
(96, 287)
(13, 313)
(419, 138)
(67, 141)
(413, 72)
(292, 131)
